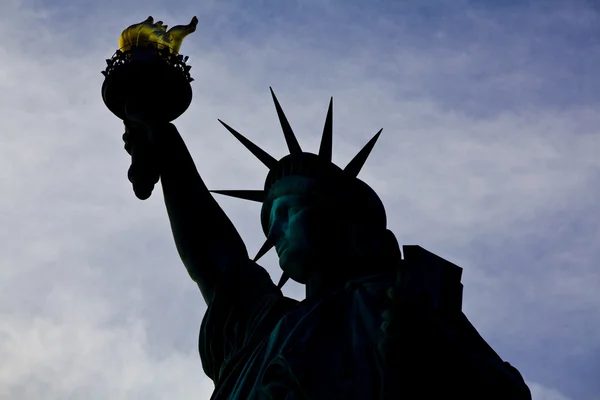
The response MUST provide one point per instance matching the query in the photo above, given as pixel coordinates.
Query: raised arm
(205, 237)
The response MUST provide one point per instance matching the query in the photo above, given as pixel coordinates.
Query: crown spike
(356, 164)
(290, 138)
(259, 153)
(253, 195)
(282, 281)
(325, 149)
(267, 245)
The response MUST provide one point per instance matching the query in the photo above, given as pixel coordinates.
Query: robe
(255, 343)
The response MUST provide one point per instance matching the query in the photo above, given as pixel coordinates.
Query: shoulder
(244, 281)
(245, 307)
(242, 288)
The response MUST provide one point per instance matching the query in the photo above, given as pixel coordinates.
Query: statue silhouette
(375, 323)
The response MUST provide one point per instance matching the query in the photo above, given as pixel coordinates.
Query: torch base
(150, 81)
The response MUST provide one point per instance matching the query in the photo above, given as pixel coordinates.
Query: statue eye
(279, 213)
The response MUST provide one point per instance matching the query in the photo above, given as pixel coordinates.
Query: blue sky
(488, 157)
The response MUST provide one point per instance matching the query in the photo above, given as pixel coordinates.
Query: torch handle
(143, 172)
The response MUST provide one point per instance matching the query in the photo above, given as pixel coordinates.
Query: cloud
(80, 357)
(539, 392)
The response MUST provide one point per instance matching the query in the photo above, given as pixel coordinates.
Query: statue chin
(296, 265)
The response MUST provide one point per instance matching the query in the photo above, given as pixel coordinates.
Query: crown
(328, 178)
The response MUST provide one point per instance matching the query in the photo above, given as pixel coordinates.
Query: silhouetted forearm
(205, 238)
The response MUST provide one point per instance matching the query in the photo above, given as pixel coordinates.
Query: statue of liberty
(376, 323)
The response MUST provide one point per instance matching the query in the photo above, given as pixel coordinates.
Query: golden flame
(149, 33)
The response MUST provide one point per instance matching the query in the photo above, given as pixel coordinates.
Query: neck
(317, 287)
(333, 276)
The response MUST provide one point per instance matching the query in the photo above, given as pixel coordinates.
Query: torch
(148, 73)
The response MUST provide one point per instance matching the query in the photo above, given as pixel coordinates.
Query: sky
(489, 158)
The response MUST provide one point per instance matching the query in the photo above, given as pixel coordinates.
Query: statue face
(305, 233)
(314, 236)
